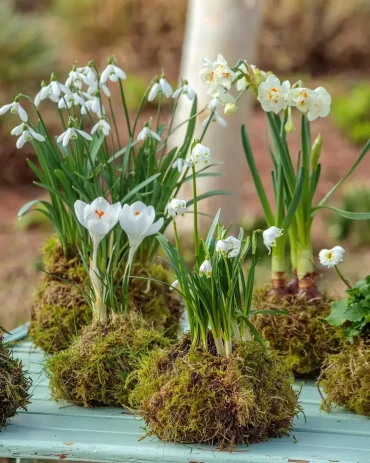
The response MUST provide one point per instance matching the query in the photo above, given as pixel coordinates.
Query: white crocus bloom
(272, 95)
(113, 73)
(72, 134)
(230, 247)
(179, 164)
(205, 269)
(102, 126)
(146, 133)
(185, 90)
(69, 100)
(320, 104)
(137, 221)
(25, 134)
(300, 98)
(176, 207)
(75, 79)
(331, 257)
(161, 86)
(14, 108)
(200, 153)
(270, 235)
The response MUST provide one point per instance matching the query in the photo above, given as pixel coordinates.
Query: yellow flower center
(99, 213)
(330, 256)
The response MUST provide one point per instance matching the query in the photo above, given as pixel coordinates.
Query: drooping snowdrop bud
(200, 153)
(206, 269)
(160, 85)
(72, 134)
(70, 99)
(320, 104)
(102, 126)
(185, 89)
(25, 134)
(179, 164)
(300, 98)
(270, 235)
(113, 73)
(147, 133)
(215, 117)
(15, 108)
(272, 95)
(229, 247)
(331, 257)
(176, 207)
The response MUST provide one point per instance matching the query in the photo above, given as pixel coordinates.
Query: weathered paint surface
(50, 430)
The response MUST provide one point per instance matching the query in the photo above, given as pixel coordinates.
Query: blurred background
(323, 42)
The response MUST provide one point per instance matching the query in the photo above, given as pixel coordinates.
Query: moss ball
(98, 367)
(14, 385)
(346, 378)
(187, 395)
(303, 337)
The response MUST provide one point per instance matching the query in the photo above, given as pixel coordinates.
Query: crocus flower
(15, 108)
(146, 133)
(70, 99)
(102, 126)
(272, 95)
(230, 247)
(185, 89)
(176, 207)
(179, 164)
(205, 269)
(300, 98)
(113, 73)
(320, 104)
(331, 257)
(270, 235)
(161, 86)
(71, 134)
(200, 153)
(25, 133)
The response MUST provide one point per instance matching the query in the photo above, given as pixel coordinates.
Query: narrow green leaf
(345, 214)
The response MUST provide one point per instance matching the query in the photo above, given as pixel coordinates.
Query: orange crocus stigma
(99, 213)
(137, 213)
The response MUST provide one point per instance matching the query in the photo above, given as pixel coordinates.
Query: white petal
(119, 72)
(154, 91)
(17, 130)
(21, 141)
(155, 135)
(84, 134)
(5, 108)
(105, 74)
(154, 228)
(79, 210)
(61, 136)
(177, 92)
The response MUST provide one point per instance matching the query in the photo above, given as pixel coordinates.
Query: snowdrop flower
(53, 90)
(39, 96)
(200, 153)
(102, 126)
(185, 89)
(25, 134)
(137, 221)
(145, 133)
(206, 269)
(161, 86)
(230, 247)
(272, 95)
(15, 108)
(88, 74)
(320, 104)
(113, 73)
(75, 79)
(176, 207)
(215, 117)
(93, 104)
(331, 257)
(70, 99)
(72, 134)
(95, 87)
(270, 235)
(179, 164)
(300, 98)
(174, 284)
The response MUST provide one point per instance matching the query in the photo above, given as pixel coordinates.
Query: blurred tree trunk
(230, 28)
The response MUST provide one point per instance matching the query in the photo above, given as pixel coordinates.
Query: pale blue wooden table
(50, 430)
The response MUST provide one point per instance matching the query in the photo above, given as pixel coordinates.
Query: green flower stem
(125, 109)
(114, 123)
(176, 234)
(169, 129)
(196, 237)
(345, 281)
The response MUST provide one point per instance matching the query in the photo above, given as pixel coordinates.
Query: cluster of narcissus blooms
(273, 95)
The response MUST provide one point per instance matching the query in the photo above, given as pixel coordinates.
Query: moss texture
(303, 337)
(346, 378)
(97, 369)
(60, 311)
(14, 385)
(188, 395)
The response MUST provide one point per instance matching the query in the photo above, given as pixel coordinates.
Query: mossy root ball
(98, 367)
(60, 311)
(303, 337)
(346, 378)
(14, 385)
(188, 395)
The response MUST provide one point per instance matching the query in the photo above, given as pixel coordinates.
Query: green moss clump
(303, 337)
(14, 385)
(188, 395)
(98, 367)
(346, 378)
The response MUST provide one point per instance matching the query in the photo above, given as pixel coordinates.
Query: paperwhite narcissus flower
(331, 257)
(25, 133)
(270, 235)
(15, 108)
(113, 73)
(72, 134)
(301, 98)
(137, 221)
(176, 207)
(146, 132)
(222, 95)
(185, 90)
(230, 247)
(272, 95)
(69, 100)
(161, 86)
(206, 269)
(200, 153)
(179, 164)
(102, 126)
(217, 73)
(320, 104)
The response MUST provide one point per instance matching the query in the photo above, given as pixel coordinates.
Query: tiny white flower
(200, 153)
(230, 246)
(53, 91)
(25, 133)
(146, 133)
(301, 98)
(92, 104)
(176, 207)
(102, 126)
(224, 75)
(14, 108)
(174, 284)
(88, 74)
(207, 72)
(39, 98)
(320, 104)
(75, 79)
(206, 269)
(272, 95)
(331, 257)
(69, 100)
(95, 86)
(113, 73)
(270, 235)
(161, 86)
(212, 105)
(222, 95)
(179, 164)
(72, 134)
(185, 90)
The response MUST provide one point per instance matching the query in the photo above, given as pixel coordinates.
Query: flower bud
(230, 108)
(316, 152)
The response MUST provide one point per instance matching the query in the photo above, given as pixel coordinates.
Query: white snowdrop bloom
(88, 74)
(206, 269)
(300, 98)
(25, 134)
(38, 97)
(270, 235)
(53, 91)
(92, 104)
(320, 104)
(185, 89)
(95, 86)
(161, 86)
(200, 153)
(215, 117)
(75, 79)
(113, 73)
(70, 99)
(272, 95)
(15, 108)
(176, 207)
(331, 257)
(174, 284)
(72, 134)
(179, 164)
(229, 247)
(102, 126)
(147, 133)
